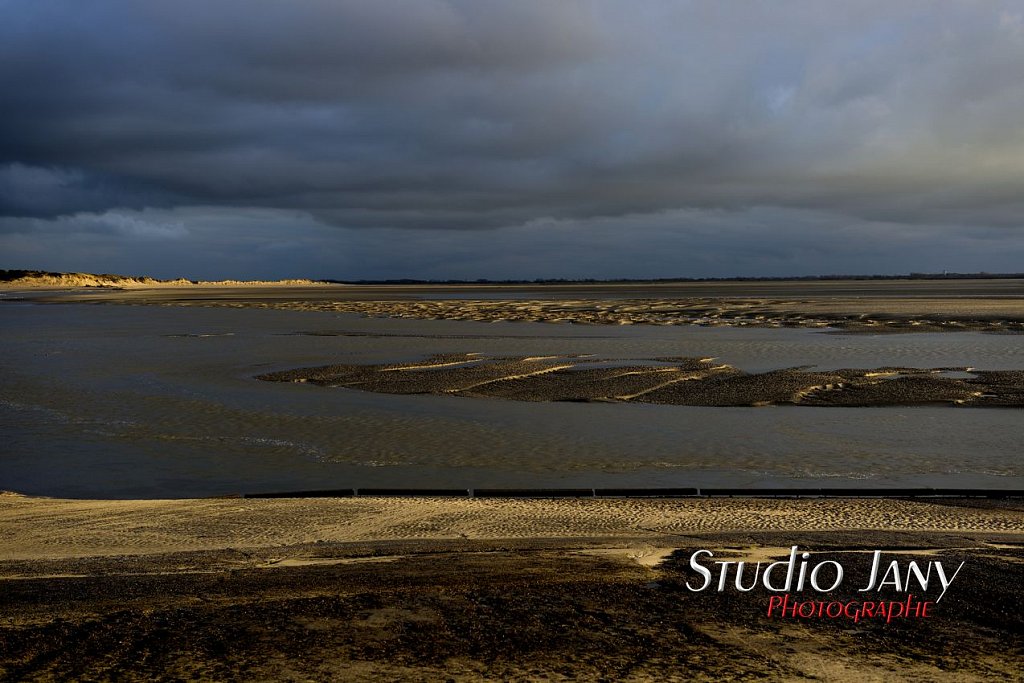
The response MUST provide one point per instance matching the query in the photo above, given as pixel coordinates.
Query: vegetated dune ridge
(36, 279)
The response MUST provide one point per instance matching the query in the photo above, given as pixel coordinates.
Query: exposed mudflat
(673, 381)
(851, 315)
(876, 306)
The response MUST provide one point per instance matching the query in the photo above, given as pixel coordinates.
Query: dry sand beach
(44, 528)
(471, 590)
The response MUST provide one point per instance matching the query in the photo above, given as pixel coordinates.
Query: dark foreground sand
(467, 590)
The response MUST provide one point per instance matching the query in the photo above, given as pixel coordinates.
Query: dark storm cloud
(231, 243)
(436, 115)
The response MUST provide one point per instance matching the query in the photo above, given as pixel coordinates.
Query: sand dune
(32, 279)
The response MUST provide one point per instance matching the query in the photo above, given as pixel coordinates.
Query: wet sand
(469, 590)
(670, 381)
(850, 315)
(852, 306)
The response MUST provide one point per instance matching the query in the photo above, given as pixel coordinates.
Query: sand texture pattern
(871, 307)
(672, 381)
(49, 528)
(472, 590)
(851, 315)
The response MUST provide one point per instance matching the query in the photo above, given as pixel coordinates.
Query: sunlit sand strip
(691, 376)
(430, 366)
(809, 391)
(52, 528)
(507, 378)
(653, 371)
(674, 380)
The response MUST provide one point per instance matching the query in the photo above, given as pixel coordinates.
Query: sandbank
(669, 381)
(872, 307)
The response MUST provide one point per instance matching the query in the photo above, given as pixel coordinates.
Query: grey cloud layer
(485, 114)
(211, 243)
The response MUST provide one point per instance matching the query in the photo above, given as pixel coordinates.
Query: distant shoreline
(873, 307)
(674, 280)
(23, 278)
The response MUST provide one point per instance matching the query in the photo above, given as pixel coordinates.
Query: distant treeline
(588, 281)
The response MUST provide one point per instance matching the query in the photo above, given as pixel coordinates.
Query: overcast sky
(484, 139)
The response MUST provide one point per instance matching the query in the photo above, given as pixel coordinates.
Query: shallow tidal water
(149, 401)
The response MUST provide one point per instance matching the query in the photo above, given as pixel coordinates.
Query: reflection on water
(151, 401)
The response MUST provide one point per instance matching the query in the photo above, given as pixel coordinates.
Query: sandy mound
(33, 279)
